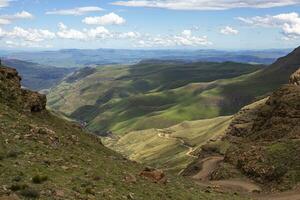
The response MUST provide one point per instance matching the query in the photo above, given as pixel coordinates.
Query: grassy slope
(147, 147)
(148, 95)
(76, 164)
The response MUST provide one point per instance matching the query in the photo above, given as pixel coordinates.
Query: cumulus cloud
(129, 35)
(206, 4)
(30, 35)
(75, 11)
(109, 19)
(85, 34)
(8, 19)
(20, 37)
(4, 3)
(289, 23)
(185, 38)
(229, 31)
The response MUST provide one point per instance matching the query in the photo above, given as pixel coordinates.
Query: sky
(149, 24)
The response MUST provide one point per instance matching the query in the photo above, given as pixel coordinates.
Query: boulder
(295, 78)
(157, 176)
(34, 101)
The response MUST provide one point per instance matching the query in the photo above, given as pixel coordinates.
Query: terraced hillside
(147, 95)
(43, 156)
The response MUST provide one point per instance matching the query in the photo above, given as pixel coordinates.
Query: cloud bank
(206, 4)
(289, 23)
(75, 11)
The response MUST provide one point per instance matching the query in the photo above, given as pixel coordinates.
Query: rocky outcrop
(155, 175)
(295, 78)
(34, 101)
(13, 95)
(265, 138)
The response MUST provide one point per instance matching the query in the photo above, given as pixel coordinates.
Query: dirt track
(210, 164)
(182, 143)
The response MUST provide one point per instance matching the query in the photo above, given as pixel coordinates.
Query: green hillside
(43, 156)
(171, 148)
(147, 95)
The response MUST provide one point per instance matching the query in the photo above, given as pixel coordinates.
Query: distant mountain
(82, 58)
(36, 76)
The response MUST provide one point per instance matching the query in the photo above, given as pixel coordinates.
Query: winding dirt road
(210, 164)
(182, 143)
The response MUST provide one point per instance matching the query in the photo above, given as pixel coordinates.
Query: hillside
(161, 94)
(171, 148)
(262, 143)
(45, 157)
(147, 95)
(36, 76)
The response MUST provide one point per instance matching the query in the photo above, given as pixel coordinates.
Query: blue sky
(168, 24)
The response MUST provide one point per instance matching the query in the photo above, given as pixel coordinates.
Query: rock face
(157, 176)
(13, 95)
(295, 78)
(265, 138)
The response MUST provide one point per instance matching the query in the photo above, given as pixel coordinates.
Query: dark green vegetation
(43, 156)
(160, 94)
(146, 95)
(36, 76)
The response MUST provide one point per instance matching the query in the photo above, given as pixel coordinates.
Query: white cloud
(66, 33)
(229, 31)
(4, 3)
(206, 4)
(30, 35)
(289, 23)
(109, 19)
(129, 35)
(4, 21)
(86, 34)
(186, 38)
(75, 11)
(7, 19)
(22, 15)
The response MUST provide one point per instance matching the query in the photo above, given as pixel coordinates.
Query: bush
(17, 187)
(37, 179)
(30, 193)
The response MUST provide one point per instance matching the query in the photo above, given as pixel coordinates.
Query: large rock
(34, 101)
(295, 78)
(13, 95)
(157, 176)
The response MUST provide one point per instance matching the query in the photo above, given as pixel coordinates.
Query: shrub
(30, 193)
(39, 179)
(17, 187)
